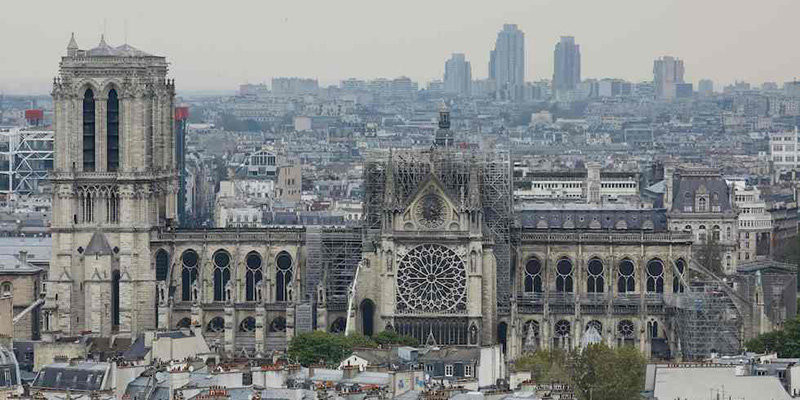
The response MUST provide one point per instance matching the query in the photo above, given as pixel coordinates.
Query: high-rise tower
(667, 74)
(457, 75)
(115, 182)
(507, 60)
(567, 65)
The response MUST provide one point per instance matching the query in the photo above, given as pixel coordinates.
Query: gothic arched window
(655, 276)
(112, 132)
(252, 276)
(188, 274)
(564, 275)
(88, 130)
(222, 274)
(283, 275)
(162, 265)
(625, 277)
(533, 276)
(677, 284)
(595, 281)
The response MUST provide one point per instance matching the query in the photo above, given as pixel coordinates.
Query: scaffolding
(707, 321)
(454, 169)
(333, 255)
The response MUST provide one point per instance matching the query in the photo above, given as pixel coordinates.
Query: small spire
(102, 41)
(72, 47)
(72, 43)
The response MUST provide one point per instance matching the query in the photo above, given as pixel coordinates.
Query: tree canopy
(597, 373)
(330, 349)
(785, 342)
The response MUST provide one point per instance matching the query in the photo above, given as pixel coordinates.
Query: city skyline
(286, 41)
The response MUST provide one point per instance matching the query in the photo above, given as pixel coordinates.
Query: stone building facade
(114, 182)
(442, 254)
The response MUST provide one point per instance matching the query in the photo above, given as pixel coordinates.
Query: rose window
(431, 211)
(625, 328)
(432, 278)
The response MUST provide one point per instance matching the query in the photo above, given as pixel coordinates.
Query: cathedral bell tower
(115, 184)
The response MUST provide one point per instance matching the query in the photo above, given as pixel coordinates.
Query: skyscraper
(567, 68)
(457, 75)
(507, 60)
(705, 87)
(667, 73)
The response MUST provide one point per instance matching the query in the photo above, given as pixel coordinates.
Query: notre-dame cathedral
(444, 253)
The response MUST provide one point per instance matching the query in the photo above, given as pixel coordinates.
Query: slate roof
(39, 248)
(126, 50)
(585, 216)
(83, 376)
(451, 354)
(687, 183)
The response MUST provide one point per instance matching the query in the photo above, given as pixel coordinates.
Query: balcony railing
(606, 237)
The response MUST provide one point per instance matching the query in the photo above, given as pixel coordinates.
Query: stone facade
(114, 181)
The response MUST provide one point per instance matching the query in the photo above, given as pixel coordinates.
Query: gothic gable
(431, 207)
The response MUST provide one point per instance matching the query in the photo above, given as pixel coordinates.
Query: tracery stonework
(431, 211)
(431, 278)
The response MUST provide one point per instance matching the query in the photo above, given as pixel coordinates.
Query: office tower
(507, 60)
(667, 73)
(705, 87)
(567, 65)
(457, 75)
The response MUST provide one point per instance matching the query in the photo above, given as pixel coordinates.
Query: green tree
(598, 372)
(785, 342)
(326, 348)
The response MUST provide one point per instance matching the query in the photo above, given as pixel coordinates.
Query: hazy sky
(215, 45)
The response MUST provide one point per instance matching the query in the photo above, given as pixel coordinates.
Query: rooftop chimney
(349, 372)
(23, 257)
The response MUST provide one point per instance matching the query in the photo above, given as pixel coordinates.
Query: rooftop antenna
(104, 27)
(125, 24)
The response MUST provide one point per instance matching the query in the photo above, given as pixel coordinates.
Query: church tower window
(655, 276)
(188, 274)
(88, 130)
(533, 276)
(222, 274)
(564, 276)
(283, 275)
(112, 131)
(595, 281)
(252, 276)
(625, 281)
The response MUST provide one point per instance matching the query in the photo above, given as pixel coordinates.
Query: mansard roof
(690, 182)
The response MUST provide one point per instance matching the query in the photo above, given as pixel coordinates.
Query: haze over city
(412, 200)
(215, 47)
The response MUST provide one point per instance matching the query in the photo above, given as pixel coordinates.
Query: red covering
(34, 114)
(181, 113)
